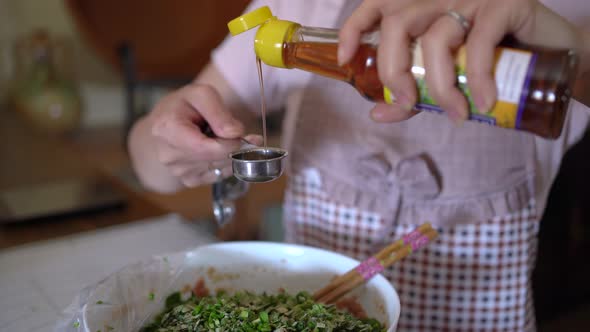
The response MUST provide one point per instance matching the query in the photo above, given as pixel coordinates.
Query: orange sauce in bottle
(541, 107)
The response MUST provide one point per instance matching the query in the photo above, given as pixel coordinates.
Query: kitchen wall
(100, 84)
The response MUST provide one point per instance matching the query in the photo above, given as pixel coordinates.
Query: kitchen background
(71, 210)
(98, 80)
(74, 248)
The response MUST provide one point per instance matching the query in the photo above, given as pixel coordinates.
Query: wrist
(151, 173)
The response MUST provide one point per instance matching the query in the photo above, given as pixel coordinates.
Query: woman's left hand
(403, 21)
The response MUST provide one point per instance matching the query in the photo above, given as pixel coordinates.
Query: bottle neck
(315, 50)
(312, 34)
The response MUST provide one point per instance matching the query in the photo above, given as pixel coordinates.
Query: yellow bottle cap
(249, 20)
(270, 37)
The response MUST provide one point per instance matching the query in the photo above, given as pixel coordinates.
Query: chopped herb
(151, 296)
(76, 324)
(249, 312)
(109, 328)
(244, 314)
(99, 302)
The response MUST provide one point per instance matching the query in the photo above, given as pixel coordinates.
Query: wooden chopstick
(353, 278)
(382, 254)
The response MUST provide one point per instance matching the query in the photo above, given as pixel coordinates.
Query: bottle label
(512, 73)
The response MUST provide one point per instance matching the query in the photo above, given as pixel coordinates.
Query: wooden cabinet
(169, 38)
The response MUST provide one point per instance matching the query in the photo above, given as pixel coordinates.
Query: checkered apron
(474, 277)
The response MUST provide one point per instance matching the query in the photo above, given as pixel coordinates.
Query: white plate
(129, 298)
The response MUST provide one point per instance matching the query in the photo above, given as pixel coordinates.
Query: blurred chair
(153, 44)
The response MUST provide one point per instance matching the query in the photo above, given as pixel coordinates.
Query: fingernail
(256, 140)
(232, 128)
(482, 104)
(341, 55)
(377, 115)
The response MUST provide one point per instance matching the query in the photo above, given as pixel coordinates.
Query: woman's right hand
(404, 21)
(182, 148)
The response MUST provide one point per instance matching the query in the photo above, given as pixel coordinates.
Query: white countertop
(39, 280)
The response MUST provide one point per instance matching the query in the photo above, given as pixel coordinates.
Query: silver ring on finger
(463, 22)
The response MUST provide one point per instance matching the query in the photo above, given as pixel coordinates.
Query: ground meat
(352, 305)
(200, 290)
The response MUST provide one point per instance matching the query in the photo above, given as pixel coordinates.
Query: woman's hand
(173, 129)
(403, 21)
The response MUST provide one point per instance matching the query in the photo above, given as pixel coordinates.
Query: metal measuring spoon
(249, 164)
(254, 163)
(258, 164)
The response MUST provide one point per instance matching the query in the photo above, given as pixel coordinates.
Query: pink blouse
(421, 169)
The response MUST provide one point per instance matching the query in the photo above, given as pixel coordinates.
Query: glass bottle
(43, 94)
(534, 84)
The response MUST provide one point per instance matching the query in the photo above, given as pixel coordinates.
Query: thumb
(208, 103)
(254, 139)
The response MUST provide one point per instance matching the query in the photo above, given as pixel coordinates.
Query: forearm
(150, 171)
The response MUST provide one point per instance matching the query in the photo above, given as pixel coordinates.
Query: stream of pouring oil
(262, 100)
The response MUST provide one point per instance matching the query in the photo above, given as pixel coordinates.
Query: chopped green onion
(249, 312)
(244, 314)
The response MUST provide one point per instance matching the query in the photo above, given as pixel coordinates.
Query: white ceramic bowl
(129, 298)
